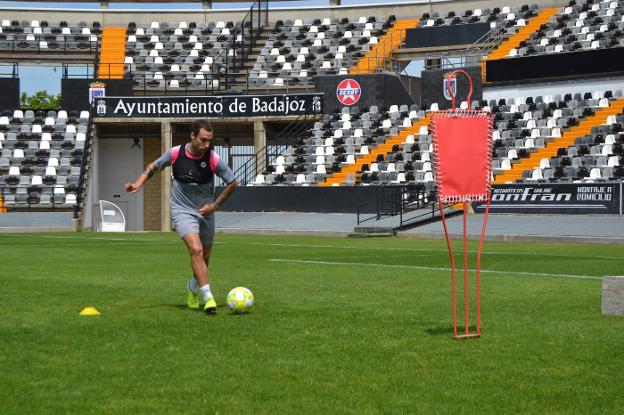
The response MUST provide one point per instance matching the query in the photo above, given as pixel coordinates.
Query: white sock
(205, 292)
(192, 285)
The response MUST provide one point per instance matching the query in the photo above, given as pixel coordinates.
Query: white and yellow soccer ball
(240, 300)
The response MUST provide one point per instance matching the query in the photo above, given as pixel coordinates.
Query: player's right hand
(131, 188)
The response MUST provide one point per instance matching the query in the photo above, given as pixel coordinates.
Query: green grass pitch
(340, 326)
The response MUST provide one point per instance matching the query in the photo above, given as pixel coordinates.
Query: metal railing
(81, 44)
(412, 203)
(89, 70)
(12, 70)
(249, 29)
(386, 204)
(214, 83)
(276, 147)
(471, 55)
(379, 58)
(84, 166)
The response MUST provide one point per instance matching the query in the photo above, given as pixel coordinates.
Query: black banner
(75, 92)
(433, 87)
(333, 199)
(10, 98)
(581, 63)
(209, 106)
(446, 35)
(568, 198)
(381, 90)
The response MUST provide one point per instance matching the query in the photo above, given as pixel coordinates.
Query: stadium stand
(180, 54)
(509, 17)
(577, 27)
(532, 136)
(43, 156)
(48, 37)
(557, 136)
(297, 50)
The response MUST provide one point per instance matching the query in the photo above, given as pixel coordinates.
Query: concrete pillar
(613, 296)
(259, 144)
(103, 4)
(166, 141)
(259, 135)
(207, 4)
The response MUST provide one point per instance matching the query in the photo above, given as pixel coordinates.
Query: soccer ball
(240, 300)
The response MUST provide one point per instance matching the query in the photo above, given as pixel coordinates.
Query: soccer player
(194, 165)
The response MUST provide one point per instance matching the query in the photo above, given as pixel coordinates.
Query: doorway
(121, 161)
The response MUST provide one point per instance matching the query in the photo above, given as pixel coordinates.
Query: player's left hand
(208, 208)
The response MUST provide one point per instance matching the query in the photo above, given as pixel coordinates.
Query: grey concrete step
(372, 231)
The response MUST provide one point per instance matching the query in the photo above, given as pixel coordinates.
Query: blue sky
(48, 78)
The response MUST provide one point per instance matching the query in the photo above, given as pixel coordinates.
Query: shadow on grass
(219, 307)
(448, 330)
(247, 313)
(181, 307)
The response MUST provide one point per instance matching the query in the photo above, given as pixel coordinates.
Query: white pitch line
(49, 246)
(366, 264)
(381, 248)
(94, 238)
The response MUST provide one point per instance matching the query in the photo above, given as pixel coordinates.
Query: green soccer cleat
(211, 306)
(192, 300)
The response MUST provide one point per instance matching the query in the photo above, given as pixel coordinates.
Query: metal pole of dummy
(465, 199)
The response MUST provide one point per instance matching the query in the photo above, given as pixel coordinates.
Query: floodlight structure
(462, 145)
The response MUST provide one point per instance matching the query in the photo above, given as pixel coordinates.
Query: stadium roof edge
(387, 4)
(101, 12)
(402, 9)
(298, 7)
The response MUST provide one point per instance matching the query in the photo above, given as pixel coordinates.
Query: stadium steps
(514, 41)
(566, 140)
(384, 148)
(112, 53)
(372, 232)
(239, 81)
(382, 51)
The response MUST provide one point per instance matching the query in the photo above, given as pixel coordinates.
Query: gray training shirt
(189, 197)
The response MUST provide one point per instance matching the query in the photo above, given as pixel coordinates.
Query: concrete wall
(409, 10)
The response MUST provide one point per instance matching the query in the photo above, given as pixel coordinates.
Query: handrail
(96, 61)
(382, 59)
(261, 159)
(83, 167)
(261, 8)
(482, 46)
(14, 70)
(212, 84)
(398, 200)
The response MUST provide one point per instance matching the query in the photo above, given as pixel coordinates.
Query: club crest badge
(97, 90)
(449, 84)
(101, 107)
